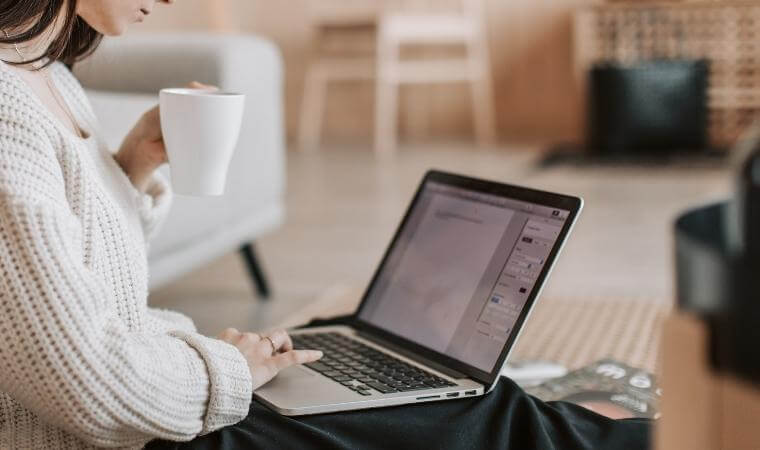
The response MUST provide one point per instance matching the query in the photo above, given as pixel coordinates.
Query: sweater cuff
(230, 383)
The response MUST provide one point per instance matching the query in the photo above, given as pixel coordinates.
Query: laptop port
(452, 394)
(469, 392)
(428, 397)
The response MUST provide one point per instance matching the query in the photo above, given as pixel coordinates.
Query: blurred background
(633, 105)
(531, 58)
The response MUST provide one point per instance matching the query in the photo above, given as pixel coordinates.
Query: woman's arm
(143, 150)
(139, 157)
(164, 321)
(65, 353)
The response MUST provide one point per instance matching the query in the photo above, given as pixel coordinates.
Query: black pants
(507, 418)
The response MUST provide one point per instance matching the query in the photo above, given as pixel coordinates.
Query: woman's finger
(281, 341)
(294, 357)
(151, 124)
(199, 85)
(229, 334)
(248, 339)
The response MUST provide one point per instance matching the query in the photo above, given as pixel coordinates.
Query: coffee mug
(201, 129)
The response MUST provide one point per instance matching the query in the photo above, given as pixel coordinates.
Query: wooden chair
(430, 26)
(363, 39)
(343, 50)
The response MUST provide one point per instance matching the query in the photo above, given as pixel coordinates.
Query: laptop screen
(463, 267)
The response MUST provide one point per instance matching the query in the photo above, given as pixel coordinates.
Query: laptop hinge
(413, 356)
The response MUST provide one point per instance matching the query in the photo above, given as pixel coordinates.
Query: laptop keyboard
(363, 369)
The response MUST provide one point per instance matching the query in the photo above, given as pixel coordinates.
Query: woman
(84, 361)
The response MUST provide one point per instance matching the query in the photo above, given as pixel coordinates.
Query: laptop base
(300, 391)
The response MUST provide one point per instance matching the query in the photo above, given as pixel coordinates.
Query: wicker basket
(726, 34)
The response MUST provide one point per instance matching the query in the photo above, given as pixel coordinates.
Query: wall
(530, 41)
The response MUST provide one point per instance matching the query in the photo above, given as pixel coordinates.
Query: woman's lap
(505, 418)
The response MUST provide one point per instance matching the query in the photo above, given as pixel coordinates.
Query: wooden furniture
(701, 409)
(343, 49)
(398, 30)
(364, 41)
(725, 33)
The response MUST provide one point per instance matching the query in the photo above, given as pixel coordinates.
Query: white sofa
(123, 78)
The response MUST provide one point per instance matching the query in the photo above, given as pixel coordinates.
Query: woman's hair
(24, 20)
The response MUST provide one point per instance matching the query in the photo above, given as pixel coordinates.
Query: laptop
(445, 306)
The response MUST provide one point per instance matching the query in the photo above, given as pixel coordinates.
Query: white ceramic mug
(201, 130)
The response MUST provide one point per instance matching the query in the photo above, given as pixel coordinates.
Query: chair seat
(427, 28)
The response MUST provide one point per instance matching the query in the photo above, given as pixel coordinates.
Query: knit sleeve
(153, 205)
(164, 321)
(66, 355)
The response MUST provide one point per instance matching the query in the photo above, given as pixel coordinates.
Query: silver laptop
(445, 306)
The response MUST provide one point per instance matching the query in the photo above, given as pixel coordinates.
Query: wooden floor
(343, 206)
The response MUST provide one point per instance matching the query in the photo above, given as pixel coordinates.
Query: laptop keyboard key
(381, 387)
(383, 379)
(319, 367)
(412, 388)
(332, 374)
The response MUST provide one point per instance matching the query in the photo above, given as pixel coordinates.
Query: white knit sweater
(83, 360)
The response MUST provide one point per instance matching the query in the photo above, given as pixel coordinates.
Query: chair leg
(482, 94)
(385, 120)
(254, 270)
(386, 99)
(312, 108)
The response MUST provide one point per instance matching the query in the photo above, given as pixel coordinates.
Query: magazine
(607, 387)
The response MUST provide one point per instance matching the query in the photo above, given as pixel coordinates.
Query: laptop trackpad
(298, 387)
(296, 372)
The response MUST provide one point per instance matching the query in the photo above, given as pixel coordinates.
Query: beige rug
(576, 332)
(571, 331)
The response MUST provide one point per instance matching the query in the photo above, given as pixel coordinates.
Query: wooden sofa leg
(254, 270)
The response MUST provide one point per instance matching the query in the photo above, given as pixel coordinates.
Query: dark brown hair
(25, 20)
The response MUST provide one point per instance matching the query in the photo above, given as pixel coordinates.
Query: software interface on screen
(462, 270)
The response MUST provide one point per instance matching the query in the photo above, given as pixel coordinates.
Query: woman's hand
(143, 150)
(267, 354)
